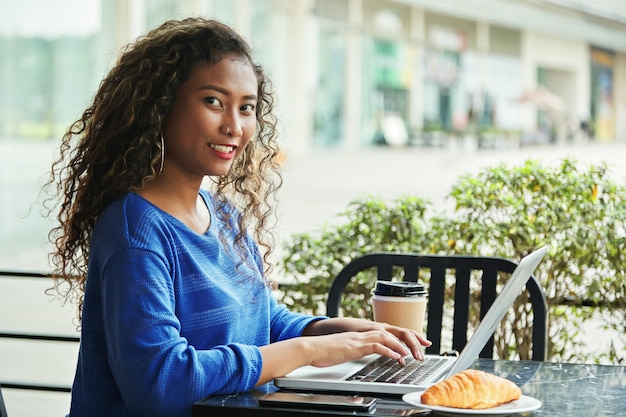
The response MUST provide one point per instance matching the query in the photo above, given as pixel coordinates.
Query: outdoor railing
(23, 384)
(35, 337)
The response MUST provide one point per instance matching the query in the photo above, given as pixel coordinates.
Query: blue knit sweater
(170, 316)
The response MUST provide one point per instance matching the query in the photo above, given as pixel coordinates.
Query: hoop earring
(244, 158)
(162, 155)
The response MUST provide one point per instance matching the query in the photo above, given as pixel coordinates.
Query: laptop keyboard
(389, 370)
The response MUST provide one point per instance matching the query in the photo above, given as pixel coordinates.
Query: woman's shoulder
(128, 206)
(131, 217)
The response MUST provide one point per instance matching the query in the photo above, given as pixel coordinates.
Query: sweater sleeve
(284, 324)
(158, 373)
(287, 324)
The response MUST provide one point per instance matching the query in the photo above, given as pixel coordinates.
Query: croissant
(471, 389)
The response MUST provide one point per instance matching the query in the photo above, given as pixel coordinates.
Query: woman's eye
(213, 101)
(248, 107)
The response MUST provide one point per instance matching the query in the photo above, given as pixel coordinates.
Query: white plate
(524, 404)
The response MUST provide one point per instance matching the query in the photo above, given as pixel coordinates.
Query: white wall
(568, 58)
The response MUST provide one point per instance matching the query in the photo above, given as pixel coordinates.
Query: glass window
(329, 94)
(47, 66)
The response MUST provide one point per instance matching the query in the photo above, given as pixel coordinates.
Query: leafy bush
(580, 212)
(371, 225)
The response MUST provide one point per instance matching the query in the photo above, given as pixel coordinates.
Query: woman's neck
(181, 200)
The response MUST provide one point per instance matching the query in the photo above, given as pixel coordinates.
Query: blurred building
(349, 73)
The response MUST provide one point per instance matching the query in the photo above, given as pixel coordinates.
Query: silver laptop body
(340, 377)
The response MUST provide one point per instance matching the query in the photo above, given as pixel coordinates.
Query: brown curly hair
(115, 146)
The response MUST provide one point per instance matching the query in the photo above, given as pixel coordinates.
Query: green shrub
(371, 225)
(580, 212)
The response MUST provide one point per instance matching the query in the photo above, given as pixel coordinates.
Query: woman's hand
(410, 338)
(336, 348)
(338, 340)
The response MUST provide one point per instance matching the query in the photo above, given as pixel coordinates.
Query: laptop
(364, 375)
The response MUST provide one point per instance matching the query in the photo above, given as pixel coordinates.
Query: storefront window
(441, 90)
(373, 103)
(390, 76)
(329, 95)
(46, 65)
(602, 110)
(386, 83)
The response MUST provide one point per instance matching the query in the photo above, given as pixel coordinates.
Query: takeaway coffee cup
(400, 303)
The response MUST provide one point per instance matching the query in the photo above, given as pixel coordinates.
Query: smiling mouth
(222, 148)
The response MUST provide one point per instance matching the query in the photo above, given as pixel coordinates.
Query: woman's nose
(232, 126)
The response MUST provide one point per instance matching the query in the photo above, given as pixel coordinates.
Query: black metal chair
(461, 268)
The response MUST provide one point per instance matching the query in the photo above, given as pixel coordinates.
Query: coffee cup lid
(400, 288)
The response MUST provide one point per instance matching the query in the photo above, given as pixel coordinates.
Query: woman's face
(212, 120)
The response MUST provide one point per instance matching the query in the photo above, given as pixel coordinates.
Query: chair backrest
(461, 268)
(3, 410)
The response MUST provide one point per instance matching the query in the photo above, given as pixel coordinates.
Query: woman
(170, 277)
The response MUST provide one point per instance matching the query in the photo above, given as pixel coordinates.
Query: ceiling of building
(598, 22)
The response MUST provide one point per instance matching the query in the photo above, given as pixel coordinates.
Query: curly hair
(115, 147)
